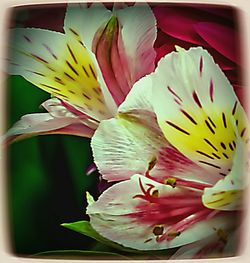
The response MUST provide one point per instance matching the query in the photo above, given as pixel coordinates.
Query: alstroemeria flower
(178, 146)
(89, 69)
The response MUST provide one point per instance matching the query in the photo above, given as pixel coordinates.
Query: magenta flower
(178, 150)
(89, 69)
(213, 28)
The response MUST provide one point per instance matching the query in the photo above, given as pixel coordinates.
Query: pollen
(152, 163)
(222, 235)
(158, 230)
(174, 234)
(155, 194)
(171, 181)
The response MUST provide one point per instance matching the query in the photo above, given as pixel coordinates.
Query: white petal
(86, 21)
(59, 109)
(138, 30)
(41, 122)
(56, 109)
(227, 193)
(83, 23)
(60, 65)
(123, 147)
(139, 98)
(193, 250)
(112, 216)
(188, 92)
(138, 113)
(138, 105)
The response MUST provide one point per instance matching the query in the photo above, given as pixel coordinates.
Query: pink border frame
(5, 255)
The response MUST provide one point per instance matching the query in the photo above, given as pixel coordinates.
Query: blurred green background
(46, 180)
(46, 174)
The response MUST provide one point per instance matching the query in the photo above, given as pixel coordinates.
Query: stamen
(174, 234)
(158, 230)
(171, 181)
(152, 163)
(192, 184)
(185, 224)
(179, 182)
(155, 193)
(222, 235)
(177, 202)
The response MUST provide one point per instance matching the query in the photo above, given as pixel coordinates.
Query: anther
(222, 235)
(174, 234)
(155, 193)
(171, 181)
(152, 163)
(158, 230)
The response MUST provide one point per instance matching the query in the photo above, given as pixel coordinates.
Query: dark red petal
(177, 22)
(221, 38)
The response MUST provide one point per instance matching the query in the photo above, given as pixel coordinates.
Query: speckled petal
(197, 109)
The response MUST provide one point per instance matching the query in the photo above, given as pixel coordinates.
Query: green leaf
(78, 254)
(85, 228)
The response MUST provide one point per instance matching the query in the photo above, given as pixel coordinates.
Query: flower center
(170, 214)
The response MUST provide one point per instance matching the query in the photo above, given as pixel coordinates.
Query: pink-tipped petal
(105, 40)
(76, 129)
(120, 65)
(135, 44)
(145, 215)
(43, 123)
(127, 38)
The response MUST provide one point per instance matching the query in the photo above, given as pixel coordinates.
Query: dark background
(46, 180)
